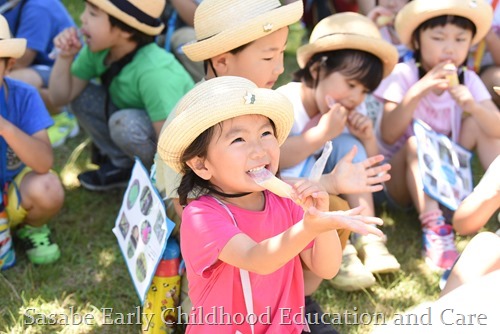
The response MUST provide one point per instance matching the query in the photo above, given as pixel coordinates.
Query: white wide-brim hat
(10, 47)
(416, 12)
(215, 101)
(224, 25)
(348, 30)
(143, 15)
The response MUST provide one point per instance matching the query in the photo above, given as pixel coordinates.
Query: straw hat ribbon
(217, 100)
(143, 15)
(417, 12)
(348, 30)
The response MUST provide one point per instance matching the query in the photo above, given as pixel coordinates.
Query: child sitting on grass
(30, 193)
(141, 83)
(345, 59)
(242, 244)
(440, 33)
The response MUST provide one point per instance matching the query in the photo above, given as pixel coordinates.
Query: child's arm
(63, 86)
(485, 112)
(271, 254)
(397, 117)
(35, 151)
(298, 148)
(361, 127)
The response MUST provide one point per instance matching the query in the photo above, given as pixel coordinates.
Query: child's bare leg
(480, 257)
(473, 137)
(42, 197)
(475, 210)
(439, 247)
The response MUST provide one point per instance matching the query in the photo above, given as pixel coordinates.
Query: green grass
(91, 274)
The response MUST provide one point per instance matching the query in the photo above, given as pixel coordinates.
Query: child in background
(344, 60)
(141, 84)
(440, 33)
(30, 193)
(484, 59)
(39, 21)
(383, 16)
(243, 246)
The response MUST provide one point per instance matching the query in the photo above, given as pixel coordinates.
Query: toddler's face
(349, 92)
(241, 144)
(262, 60)
(444, 43)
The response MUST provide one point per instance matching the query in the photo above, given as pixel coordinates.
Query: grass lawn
(91, 277)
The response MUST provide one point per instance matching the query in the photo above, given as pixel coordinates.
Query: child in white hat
(141, 83)
(29, 192)
(243, 245)
(344, 59)
(440, 33)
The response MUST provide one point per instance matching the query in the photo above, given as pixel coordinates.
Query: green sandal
(38, 245)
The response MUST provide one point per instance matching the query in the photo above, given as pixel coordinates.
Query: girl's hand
(350, 220)
(462, 95)
(362, 177)
(381, 16)
(311, 194)
(68, 43)
(434, 80)
(360, 126)
(332, 123)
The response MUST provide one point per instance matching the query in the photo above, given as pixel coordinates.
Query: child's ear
(313, 70)
(197, 164)
(221, 63)
(10, 64)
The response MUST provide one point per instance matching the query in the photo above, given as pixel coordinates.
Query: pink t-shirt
(215, 287)
(441, 112)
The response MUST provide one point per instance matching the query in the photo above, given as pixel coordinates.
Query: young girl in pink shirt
(440, 33)
(243, 245)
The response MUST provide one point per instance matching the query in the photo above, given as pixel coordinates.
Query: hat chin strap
(222, 194)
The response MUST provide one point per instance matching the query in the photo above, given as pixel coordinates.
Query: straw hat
(217, 100)
(348, 30)
(10, 47)
(417, 12)
(143, 15)
(224, 25)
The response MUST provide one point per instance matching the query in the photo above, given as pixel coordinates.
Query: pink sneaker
(439, 245)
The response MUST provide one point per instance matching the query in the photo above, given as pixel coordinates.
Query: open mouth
(258, 173)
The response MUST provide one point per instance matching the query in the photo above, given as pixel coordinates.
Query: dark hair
(208, 62)
(190, 180)
(441, 21)
(136, 36)
(356, 64)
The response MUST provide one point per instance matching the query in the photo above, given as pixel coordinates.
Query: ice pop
(384, 20)
(452, 76)
(497, 89)
(266, 179)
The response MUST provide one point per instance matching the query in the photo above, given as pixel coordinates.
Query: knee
(45, 192)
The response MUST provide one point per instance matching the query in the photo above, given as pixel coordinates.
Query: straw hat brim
(245, 33)
(108, 7)
(12, 48)
(417, 12)
(378, 47)
(188, 125)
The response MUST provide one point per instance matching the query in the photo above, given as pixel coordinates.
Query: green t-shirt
(153, 81)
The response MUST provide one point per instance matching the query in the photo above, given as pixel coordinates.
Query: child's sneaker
(352, 275)
(439, 245)
(375, 255)
(65, 126)
(39, 247)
